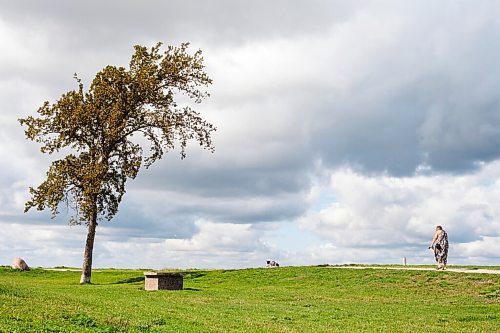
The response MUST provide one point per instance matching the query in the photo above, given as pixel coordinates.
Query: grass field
(288, 299)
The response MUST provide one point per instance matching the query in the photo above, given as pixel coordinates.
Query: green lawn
(287, 299)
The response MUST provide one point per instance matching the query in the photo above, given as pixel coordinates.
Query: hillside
(289, 299)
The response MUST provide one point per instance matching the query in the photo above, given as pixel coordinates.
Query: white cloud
(481, 251)
(217, 237)
(18, 45)
(41, 244)
(213, 245)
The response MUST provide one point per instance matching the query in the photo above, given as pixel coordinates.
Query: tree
(101, 130)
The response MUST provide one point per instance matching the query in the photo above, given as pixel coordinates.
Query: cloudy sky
(347, 130)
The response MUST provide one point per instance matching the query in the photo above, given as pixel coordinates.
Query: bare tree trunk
(89, 248)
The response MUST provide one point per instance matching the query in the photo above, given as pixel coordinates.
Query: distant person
(440, 246)
(272, 263)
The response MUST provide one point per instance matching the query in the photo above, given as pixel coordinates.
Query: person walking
(440, 246)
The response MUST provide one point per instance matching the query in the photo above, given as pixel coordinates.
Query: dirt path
(409, 268)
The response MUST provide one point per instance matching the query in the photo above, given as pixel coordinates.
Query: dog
(272, 263)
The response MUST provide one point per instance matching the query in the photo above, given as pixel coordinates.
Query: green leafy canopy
(97, 127)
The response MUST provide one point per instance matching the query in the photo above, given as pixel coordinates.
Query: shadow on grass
(192, 289)
(131, 280)
(194, 274)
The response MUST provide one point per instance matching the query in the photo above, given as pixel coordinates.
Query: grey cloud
(458, 135)
(133, 221)
(372, 137)
(427, 96)
(221, 21)
(439, 109)
(222, 179)
(182, 206)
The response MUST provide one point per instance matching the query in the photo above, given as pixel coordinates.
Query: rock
(19, 263)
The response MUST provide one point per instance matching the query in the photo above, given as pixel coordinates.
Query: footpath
(410, 268)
